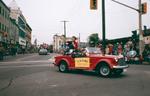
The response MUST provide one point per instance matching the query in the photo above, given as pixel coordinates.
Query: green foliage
(93, 40)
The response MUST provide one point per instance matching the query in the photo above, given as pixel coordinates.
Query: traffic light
(134, 35)
(145, 29)
(144, 8)
(93, 4)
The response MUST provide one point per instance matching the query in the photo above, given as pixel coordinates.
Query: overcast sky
(45, 16)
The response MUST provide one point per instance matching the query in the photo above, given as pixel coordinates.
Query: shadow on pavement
(94, 74)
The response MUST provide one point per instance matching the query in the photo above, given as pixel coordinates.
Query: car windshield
(93, 50)
(43, 50)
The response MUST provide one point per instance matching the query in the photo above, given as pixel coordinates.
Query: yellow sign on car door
(82, 62)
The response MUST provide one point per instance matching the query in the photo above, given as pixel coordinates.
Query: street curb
(145, 63)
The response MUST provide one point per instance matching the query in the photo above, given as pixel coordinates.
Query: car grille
(121, 62)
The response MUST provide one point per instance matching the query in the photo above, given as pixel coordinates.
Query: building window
(21, 34)
(7, 29)
(3, 12)
(4, 28)
(0, 10)
(8, 16)
(0, 26)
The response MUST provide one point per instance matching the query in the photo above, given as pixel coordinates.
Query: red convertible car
(92, 60)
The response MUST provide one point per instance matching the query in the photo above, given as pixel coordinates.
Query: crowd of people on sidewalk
(125, 49)
(146, 53)
(10, 50)
(4, 52)
(119, 48)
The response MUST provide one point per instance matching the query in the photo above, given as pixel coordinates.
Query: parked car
(43, 51)
(91, 60)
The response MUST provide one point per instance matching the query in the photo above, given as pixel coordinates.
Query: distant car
(93, 60)
(43, 51)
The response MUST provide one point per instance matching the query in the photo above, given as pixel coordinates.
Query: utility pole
(64, 32)
(141, 43)
(139, 10)
(103, 26)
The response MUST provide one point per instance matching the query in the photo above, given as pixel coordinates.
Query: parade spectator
(107, 50)
(2, 51)
(110, 49)
(13, 50)
(100, 47)
(23, 49)
(120, 49)
(115, 49)
(130, 44)
(146, 53)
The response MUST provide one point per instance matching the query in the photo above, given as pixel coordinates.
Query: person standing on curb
(2, 51)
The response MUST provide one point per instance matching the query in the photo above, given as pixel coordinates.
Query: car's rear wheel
(104, 70)
(63, 67)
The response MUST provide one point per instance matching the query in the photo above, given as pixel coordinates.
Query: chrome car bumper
(120, 67)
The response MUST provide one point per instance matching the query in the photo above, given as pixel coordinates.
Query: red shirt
(75, 44)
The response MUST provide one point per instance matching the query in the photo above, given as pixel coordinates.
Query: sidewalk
(143, 63)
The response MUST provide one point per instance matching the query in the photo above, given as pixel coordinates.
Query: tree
(93, 40)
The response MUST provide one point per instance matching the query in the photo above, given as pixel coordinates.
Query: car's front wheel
(104, 70)
(63, 67)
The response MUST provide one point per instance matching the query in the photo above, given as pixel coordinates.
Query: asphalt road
(34, 75)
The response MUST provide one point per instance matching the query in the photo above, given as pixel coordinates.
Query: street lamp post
(64, 32)
(103, 25)
(141, 43)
